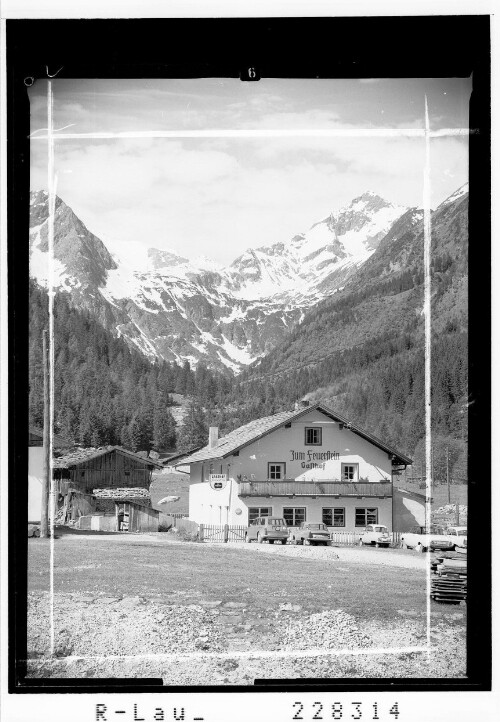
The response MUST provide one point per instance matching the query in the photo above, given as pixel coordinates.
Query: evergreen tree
(194, 432)
(164, 435)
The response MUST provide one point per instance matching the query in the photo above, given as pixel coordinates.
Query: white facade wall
(35, 480)
(215, 507)
(209, 506)
(288, 446)
(409, 510)
(302, 463)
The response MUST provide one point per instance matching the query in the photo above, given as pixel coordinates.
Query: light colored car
(309, 533)
(267, 528)
(375, 535)
(437, 539)
(458, 535)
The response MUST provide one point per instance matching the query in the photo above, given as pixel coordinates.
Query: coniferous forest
(107, 393)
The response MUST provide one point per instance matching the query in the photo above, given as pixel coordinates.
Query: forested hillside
(362, 351)
(107, 393)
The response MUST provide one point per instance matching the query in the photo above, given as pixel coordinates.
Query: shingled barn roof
(80, 456)
(255, 430)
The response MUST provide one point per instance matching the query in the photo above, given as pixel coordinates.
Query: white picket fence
(228, 533)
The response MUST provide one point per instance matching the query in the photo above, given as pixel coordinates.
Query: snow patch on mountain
(179, 309)
(459, 193)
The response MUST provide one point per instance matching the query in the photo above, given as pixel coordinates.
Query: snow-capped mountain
(175, 308)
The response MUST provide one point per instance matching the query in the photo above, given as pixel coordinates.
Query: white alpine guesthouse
(310, 464)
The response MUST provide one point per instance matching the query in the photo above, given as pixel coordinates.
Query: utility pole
(44, 517)
(448, 473)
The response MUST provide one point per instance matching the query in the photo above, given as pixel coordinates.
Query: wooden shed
(133, 516)
(105, 468)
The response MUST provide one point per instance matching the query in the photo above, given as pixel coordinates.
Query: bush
(190, 536)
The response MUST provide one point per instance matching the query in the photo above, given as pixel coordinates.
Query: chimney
(213, 437)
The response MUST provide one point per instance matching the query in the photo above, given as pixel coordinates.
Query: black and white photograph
(247, 378)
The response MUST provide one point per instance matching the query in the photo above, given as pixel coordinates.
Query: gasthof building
(309, 464)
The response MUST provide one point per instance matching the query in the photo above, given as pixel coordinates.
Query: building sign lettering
(218, 481)
(310, 456)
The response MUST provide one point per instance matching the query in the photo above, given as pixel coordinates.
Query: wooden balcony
(376, 489)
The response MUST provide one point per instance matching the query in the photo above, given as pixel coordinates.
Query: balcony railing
(315, 488)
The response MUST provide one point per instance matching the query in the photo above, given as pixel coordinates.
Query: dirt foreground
(226, 635)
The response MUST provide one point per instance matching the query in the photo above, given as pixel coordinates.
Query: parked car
(376, 535)
(420, 540)
(267, 528)
(458, 535)
(309, 533)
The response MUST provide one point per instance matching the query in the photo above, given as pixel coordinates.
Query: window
(255, 511)
(276, 471)
(364, 517)
(313, 436)
(294, 515)
(334, 516)
(350, 472)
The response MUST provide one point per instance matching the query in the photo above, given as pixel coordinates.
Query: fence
(180, 523)
(221, 533)
(224, 533)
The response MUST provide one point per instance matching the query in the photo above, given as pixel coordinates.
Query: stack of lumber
(449, 584)
(125, 493)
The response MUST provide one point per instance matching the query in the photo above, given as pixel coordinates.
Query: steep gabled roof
(247, 434)
(169, 460)
(80, 456)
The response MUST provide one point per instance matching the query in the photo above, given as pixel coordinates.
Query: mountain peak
(164, 258)
(456, 195)
(369, 201)
(367, 195)
(179, 308)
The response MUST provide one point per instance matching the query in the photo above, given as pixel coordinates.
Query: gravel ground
(387, 557)
(370, 555)
(192, 640)
(222, 643)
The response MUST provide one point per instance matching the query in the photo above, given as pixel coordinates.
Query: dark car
(267, 528)
(310, 533)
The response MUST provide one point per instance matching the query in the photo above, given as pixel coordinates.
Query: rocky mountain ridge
(176, 309)
(385, 297)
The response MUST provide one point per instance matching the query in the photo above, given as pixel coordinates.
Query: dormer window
(313, 436)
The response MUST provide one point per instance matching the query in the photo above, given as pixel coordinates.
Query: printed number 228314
(343, 710)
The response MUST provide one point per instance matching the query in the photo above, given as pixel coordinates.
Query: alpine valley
(335, 314)
(172, 308)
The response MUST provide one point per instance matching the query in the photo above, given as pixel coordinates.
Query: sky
(217, 197)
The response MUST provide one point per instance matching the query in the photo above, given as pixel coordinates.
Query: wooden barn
(110, 467)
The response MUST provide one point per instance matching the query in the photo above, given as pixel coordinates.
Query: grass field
(176, 484)
(196, 572)
(191, 613)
